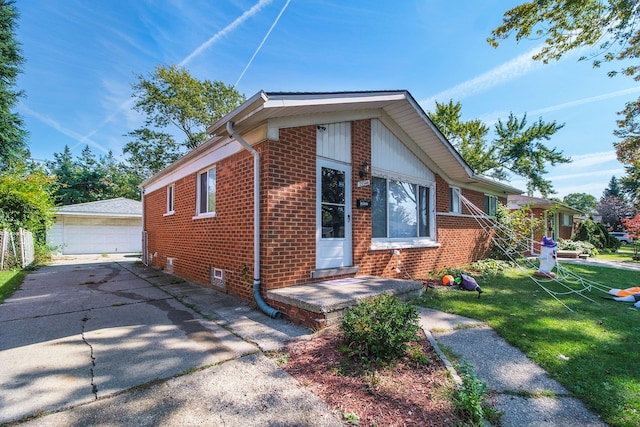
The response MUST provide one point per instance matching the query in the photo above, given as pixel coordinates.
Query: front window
(490, 205)
(455, 202)
(400, 210)
(207, 191)
(567, 220)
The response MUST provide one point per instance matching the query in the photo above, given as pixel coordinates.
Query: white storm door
(333, 215)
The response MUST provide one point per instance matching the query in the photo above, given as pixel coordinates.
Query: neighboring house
(559, 220)
(102, 227)
(345, 184)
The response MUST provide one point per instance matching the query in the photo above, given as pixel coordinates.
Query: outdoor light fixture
(364, 170)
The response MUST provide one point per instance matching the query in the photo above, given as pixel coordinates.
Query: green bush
(381, 328)
(596, 234)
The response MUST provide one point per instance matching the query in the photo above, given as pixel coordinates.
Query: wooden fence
(16, 249)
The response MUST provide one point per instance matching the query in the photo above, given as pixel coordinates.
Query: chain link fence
(17, 250)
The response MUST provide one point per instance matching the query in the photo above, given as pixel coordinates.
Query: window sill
(169, 213)
(404, 244)
(205, 215)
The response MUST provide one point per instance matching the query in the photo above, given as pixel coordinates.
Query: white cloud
(517, 67)
(592, 159)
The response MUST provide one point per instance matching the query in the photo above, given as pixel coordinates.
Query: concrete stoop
(320, 304)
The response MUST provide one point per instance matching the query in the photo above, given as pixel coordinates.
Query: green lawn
(601, 340)
(9, 281)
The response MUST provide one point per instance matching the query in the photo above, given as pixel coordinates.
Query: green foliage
(517, 147)
(490, 267)
(26, 200)
(13, 146)
(596, 234)
(173, 100)
(578, 245)
(469, 398)
(87, 178)
(469, 138)
(351, 418)
(610, 28)
(380, 328)
(582, 201)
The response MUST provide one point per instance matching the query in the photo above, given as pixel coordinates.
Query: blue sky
(82, 56)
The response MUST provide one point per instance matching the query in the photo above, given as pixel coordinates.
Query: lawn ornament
(448, 280)
(468, 283)
(627, 295)
(547, 258)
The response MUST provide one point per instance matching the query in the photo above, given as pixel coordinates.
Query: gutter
(266, 309)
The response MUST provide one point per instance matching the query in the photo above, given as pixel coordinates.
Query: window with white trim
(400, 210)
(170, 198)
(567, 220)
(490, 205)
(206, 197)
(455, 203)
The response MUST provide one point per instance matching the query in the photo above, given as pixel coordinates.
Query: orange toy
(448, 280)
(624, 292)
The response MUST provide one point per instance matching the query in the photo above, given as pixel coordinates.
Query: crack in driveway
(94, 386)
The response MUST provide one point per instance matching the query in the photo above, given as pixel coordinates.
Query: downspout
(267, 309)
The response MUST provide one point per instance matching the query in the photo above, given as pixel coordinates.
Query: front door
(333, 215)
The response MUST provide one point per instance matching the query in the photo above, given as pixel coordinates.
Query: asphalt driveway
(80, 330)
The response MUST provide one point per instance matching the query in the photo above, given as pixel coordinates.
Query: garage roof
(113, 207)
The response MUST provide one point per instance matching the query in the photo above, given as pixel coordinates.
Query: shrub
(577, 245)
(380, 328)
(596, 234)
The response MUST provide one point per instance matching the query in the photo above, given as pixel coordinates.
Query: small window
(206, 198)
(567, 220)
(490, 205)
(170, 198)
(455, 204)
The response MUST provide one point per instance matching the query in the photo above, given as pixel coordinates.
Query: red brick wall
(289, 208)
(225, 241)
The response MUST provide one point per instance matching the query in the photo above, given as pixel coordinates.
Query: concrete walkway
(523, 391)
(94, 340)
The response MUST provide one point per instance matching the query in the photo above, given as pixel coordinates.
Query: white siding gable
(333, 141)
(390, 156)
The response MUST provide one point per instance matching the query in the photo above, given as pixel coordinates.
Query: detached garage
(102, 227)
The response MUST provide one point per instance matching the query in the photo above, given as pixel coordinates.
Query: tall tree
(582, 201)
(613, 210)
(173, 102)
(613, 190)
(13, 145)
(469, 138)
(611, 28)
(522, 152)
(517, 148)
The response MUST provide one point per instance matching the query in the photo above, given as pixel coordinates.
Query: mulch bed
(406, 393)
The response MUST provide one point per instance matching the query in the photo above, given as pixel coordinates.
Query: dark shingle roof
(112, 207)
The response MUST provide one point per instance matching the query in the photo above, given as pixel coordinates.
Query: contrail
(71, 134)
(226, 30)
(262, 43)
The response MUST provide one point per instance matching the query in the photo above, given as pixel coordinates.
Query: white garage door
(96, 235)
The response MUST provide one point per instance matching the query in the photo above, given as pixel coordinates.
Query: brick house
(559, 220)
(296, 188)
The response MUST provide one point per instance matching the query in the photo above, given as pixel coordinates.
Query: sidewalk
(523, 391)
